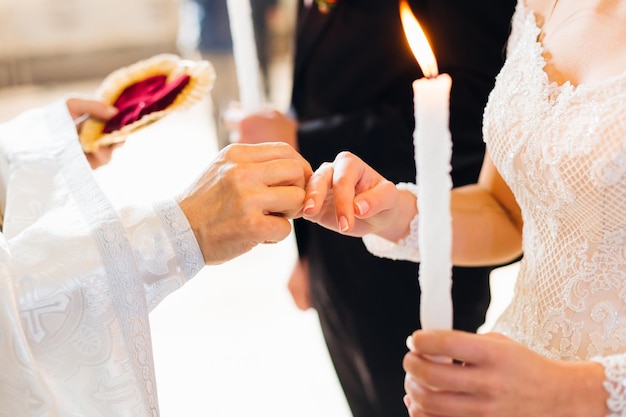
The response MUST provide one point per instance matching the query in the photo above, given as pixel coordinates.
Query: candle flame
(418, 41)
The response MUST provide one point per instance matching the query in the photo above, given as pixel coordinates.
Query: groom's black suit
(352, 91)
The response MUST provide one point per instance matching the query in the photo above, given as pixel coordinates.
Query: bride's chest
(542, 133)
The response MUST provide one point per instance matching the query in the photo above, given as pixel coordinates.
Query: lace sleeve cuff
(164, 248)
(186, 247)
(405, 249)
(614, 383)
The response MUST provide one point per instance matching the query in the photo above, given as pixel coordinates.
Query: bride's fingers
(335, 185)
(345, 181)
(368, 192)
(317, 188)
(375, 200)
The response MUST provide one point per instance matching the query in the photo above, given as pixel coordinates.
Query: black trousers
(367, 307)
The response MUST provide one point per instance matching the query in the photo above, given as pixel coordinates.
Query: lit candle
(245, 53)
(433, 151)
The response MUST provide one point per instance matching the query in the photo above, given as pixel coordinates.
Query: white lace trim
(182, 237)
(406, 249)
(128, 294)
(615, 383)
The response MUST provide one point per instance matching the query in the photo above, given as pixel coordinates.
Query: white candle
(433, 151)
(245, 53)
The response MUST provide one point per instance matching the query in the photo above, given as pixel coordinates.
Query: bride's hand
(350, 197)
(499, 377)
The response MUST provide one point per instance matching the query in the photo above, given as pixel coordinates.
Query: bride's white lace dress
(562, 150)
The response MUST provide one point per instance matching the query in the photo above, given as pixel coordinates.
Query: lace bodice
(562, 150)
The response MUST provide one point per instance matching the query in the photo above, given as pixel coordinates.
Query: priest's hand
(350, 197)
(80, 109)
(265, 125)
(244, 198)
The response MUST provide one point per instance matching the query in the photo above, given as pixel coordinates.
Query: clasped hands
(247, 195)
(250, 191)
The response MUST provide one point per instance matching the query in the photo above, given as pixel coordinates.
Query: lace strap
(406, 249)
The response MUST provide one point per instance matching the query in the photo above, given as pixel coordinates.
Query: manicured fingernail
(411, 384)
(343, 224)
(310, 203)
(409, 343)
(111, 111)
(363, 207)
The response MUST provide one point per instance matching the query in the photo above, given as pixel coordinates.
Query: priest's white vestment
(78, 278)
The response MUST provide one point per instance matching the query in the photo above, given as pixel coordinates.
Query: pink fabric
(144, 97)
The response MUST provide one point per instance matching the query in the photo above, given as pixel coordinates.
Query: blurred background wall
(61, 40)
(44, 41)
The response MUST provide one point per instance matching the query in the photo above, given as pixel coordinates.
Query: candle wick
(430, 71)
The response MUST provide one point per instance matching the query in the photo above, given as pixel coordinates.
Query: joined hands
(350, 197)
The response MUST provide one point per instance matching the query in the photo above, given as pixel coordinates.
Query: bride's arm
(487, 222)
(351, 198)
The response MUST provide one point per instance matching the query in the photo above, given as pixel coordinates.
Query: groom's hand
(244, 198)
